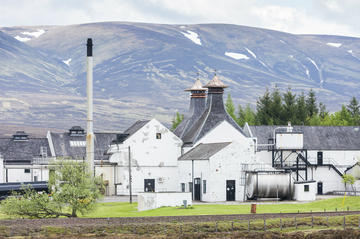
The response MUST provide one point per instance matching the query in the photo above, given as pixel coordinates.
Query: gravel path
(78, 222)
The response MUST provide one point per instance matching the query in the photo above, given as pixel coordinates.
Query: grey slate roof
(22, 151)
(135, 127)
(214, 114)
(203, 151)
(197, 107)
(317, 137)
(61, 142)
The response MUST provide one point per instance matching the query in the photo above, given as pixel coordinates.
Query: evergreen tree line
(276, 108)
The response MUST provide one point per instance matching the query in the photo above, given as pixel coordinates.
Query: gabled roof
(136, 126)
(203, 151)
(22, 151)
(66, 145)
(317, 137)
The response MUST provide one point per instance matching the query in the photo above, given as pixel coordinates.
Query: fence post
(249, 225)
(348, 208)
(280, 224)
(232, 226)
(336, 209)
(295, 224)
(344, 223)
(359, 222)
(165, 231)
(264, 224)
(181, 229)
(216, 226)
(327, 221)
(312, 221)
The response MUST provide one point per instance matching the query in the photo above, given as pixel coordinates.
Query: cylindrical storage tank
(270, 184)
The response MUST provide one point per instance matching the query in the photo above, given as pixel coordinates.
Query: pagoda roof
(215, 83)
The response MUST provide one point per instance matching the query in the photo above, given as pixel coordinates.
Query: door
(149, 185)
(320, 188)
(197, 189)
(319, 158)
(230, 190)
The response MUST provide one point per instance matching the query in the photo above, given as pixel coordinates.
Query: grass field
(121, 209)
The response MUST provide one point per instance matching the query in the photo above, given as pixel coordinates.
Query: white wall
(224, 165)
(107, 173)
(147, 201)
(354, 171)
(151, 158)
(2, 178)
(17, 174)
(340, 158)
(225, 132)
(301, 195)
(331, 180)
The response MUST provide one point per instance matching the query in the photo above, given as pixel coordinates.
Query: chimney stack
(89, 121)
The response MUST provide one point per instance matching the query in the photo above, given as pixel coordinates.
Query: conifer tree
(311, 105)
(301, 112)
(263, 107)
(230, 107)
(289, 108)
(276, 107)
(354, 110)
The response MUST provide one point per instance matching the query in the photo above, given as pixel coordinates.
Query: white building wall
(225, 132)
(340, 158)
(151, 158)
(107, 172)
(331, 180)
(33, 173)
(224, 165)
(301, 195)
(2, 178)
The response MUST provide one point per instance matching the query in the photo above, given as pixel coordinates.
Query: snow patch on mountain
(313, 62)
(193, 36)
(36, 34)
(67, 62)
(22, 39)
(251, 53)
(334, 44)
(237, 56)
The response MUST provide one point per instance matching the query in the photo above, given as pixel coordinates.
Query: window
(270, 141)
(27, 170)
(306, 188)
(319, 158)
(182, 187)
(204, 186)
(190, 187)
(158, 135)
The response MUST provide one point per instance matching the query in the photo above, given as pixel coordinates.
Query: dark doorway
(320, 188)
(149, 185)
(319, 158)
(197, 189)
(230, 190)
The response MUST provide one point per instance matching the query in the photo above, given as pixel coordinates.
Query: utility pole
(130, 179)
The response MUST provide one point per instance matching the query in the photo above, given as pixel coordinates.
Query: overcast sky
(337, 17)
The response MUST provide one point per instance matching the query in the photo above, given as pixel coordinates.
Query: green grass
(122, 209)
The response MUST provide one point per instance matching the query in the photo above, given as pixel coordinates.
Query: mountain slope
(142, 69)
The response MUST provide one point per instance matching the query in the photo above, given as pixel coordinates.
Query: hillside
(142, 69)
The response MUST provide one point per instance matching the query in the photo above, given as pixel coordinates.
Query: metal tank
(269, 184)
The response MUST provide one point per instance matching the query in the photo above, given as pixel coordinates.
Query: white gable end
(224, 132)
